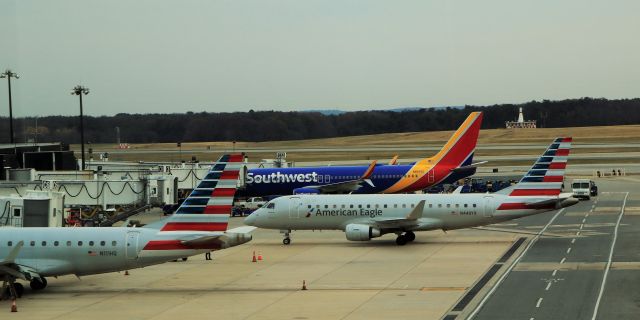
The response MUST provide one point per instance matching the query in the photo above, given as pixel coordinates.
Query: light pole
(79, 91)
(9, 74)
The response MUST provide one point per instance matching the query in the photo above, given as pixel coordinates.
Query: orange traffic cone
(254, 257)
(14, 308)
(126, 272)
(304, 285)
(259, 256)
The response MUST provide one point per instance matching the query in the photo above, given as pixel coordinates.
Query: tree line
(277, 125)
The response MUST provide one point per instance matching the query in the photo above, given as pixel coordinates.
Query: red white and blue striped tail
(209, 205)
(546, 176)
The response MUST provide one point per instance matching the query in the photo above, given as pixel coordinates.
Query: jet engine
(361, 232)
(306, 191)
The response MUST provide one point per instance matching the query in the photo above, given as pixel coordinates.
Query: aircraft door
(132, 245)
(296, 208)
(488, 206)
(431, 176)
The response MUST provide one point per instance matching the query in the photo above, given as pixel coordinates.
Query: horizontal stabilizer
(469, 167)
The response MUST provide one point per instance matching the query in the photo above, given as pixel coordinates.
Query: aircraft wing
(410, 220)
(346, 186)
(469, 167)
(8, 265)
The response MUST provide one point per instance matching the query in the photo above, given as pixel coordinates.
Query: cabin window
(91, 243)
(68, 243)
(430, 205)
(376, 206)
(309, 206)
(448, 205)
(439, 205)
(79, 243)
(465, 205)
(412, 205)
(404, 205)
(368, 206)
(343, 206)
(474, 205)
(33, 243)
(326, 206)
(395, 205)
(335, 206)
(385, 206)
(114, 243)
(317, 206)
(102, 243)
(10, 243)
(457, 205)
(56, 243)
(351, 206)
(359, 206)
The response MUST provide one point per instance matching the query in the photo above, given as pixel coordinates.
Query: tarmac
(490, 275)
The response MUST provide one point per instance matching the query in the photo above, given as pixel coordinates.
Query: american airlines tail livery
(198, 226)
(452, 163)
(363, 217)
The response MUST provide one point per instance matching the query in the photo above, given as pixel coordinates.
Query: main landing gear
(38, 283)
(405, 238)
(287, 239)
(11, 289)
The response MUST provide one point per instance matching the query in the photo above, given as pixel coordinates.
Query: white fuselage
(441, 211)
(84, 251)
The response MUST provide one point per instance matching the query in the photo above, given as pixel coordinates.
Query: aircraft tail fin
(208, 207)
(546, 176)
(458, 151)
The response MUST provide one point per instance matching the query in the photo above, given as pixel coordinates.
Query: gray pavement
(562, 277)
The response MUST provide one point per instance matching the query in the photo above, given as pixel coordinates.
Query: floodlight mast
(10, 74)
(79, 91)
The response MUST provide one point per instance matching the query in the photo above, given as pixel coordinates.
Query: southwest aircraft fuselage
(384, 179)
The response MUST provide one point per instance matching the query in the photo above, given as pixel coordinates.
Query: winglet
(394, 160)
(416, 213)
(369, 171)
(11, 257)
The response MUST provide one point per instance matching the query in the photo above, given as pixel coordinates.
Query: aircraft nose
(251, 219)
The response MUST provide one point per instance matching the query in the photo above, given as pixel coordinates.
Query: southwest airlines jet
(198, 226)
(366, 216)
(452, 163)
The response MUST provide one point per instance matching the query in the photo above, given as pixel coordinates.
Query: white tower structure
(520, 123)
(520, 116)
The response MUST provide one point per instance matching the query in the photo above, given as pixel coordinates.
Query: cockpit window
(271, 205)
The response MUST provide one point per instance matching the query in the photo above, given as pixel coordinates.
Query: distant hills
(277, 125)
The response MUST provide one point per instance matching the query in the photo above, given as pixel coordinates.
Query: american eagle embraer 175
(452, 163)
(363, 217)
(198, 226)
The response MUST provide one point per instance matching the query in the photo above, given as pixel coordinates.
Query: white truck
(584, 188)
(251, 203)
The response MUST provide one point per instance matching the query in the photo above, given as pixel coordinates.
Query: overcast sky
(177, 56)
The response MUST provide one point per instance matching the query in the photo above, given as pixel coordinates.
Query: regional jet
(198, 226)
(363, 217)
(452, 163)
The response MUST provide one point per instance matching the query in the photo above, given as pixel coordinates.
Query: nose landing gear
(287, 238)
